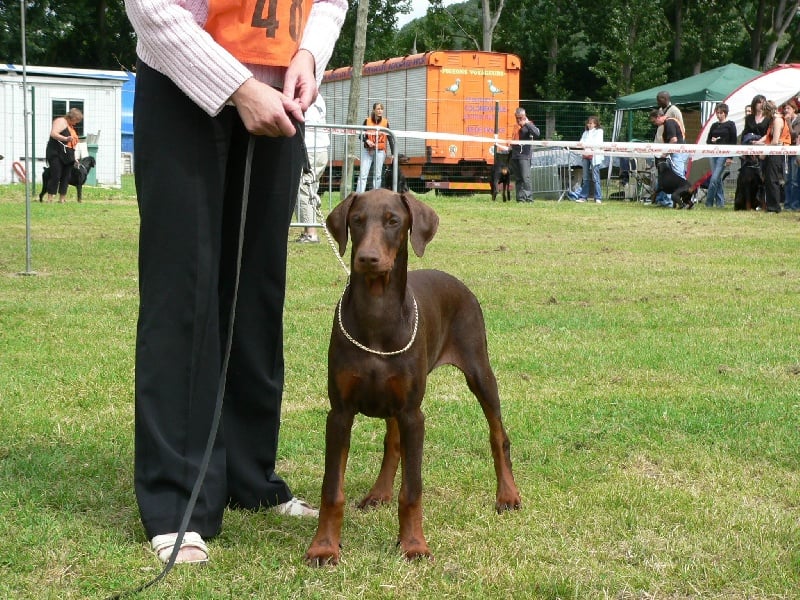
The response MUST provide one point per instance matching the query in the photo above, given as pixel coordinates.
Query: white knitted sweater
(171, 40)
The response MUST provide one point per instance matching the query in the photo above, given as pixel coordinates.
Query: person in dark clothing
(60, 153)
(755, 128)
(723, 132)
(672, 185)
(521, 156)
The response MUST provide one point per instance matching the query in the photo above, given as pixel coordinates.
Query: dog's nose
(366, 258)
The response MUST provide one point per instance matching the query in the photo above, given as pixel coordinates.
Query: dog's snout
(367, 257)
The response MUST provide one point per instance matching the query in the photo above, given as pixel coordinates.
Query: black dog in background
(388, 174)
(501, 178)
(77, 177)
(749, 184)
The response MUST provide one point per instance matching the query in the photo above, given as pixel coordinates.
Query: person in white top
(591, 161)
(220, 86)
(317, 142)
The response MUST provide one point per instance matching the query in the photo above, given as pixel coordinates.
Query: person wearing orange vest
(221, 88)
(373, 151)
(778, 134)
(60, 153)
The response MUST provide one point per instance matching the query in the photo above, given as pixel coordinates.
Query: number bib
(260, 32)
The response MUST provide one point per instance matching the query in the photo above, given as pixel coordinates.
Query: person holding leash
(60, 153)
(221, 87)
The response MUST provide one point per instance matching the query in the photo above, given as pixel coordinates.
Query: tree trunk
(489, 22)
(351, 144)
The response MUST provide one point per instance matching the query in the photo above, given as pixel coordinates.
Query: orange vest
(259, 32)
(377, 136)
(786, 135)
(73, 137)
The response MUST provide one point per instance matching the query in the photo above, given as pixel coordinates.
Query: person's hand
(388, 159)
(266, 111)
(300, 84)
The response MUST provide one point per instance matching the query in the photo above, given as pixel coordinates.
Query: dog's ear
(424, 222)
(337, 222)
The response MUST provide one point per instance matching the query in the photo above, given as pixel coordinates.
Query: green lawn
(649, 368)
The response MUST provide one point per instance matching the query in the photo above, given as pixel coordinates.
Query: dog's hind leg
(381, 492)
(483, 384)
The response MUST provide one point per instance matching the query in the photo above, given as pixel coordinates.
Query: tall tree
(359, 43)
(380, 34)
(768, 23)
(69, 33)
(634, 45)
(491, 16)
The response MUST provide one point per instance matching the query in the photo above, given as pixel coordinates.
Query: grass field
(649, 368)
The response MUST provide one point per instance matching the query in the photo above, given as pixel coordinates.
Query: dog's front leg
(381, 492)
(325, 547)
(411, 540)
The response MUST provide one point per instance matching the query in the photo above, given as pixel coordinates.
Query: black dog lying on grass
(77, 177)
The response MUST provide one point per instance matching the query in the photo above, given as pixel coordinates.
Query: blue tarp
(126, 129)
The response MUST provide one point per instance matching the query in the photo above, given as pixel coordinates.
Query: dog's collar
(358, 344)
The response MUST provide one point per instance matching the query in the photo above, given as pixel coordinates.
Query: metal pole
(28, 169)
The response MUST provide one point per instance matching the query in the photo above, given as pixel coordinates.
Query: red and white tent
(778, 84)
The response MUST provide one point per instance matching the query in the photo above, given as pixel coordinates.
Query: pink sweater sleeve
(171, 40)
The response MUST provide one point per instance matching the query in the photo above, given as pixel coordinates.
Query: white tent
(778, 84)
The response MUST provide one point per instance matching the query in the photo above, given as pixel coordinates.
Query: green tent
(705, 89)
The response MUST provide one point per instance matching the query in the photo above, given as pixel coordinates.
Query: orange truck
(446, 92)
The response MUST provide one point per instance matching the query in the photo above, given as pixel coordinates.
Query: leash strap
(212, 434)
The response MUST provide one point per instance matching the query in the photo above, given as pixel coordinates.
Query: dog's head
(89, 162)
(504, 171)
(386, 212)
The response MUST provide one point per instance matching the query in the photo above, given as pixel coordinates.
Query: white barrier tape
(608, 148)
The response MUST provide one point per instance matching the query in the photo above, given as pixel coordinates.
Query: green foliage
(381, 31)
(648, 367)
(69, 33)
(633, 54)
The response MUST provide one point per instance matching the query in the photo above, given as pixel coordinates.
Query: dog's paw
(322, 555)
(415, 550)
(374, 501)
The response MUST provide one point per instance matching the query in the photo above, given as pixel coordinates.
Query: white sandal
(163, 545)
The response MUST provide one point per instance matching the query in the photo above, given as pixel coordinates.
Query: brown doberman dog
(393, 327)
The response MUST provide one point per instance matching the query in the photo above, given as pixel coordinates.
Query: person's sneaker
(296, 508)
(598, 201)
(305, 238)
(580, 199)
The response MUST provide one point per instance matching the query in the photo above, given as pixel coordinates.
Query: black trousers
(58, 180)
(189, 179)
(773, 177)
